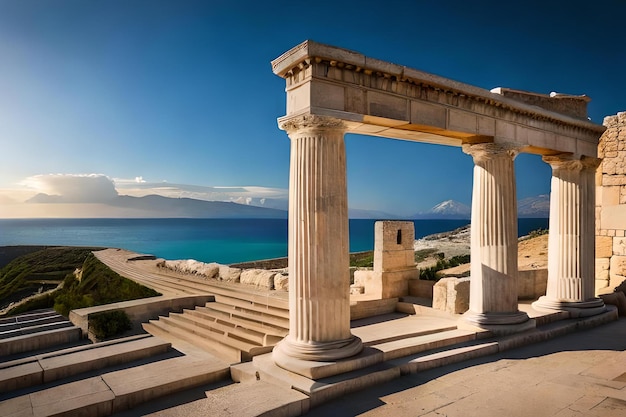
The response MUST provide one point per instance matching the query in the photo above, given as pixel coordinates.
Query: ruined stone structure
(394, 261)
(611, 205)
(333, 91)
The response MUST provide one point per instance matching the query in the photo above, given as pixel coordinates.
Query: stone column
(319, 278)
(571, 243)
(493, 283)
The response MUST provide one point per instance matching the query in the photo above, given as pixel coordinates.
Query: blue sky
(182, 92)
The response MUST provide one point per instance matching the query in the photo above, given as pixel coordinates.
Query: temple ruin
(333, 91)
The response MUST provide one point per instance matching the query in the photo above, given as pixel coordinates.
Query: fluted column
(493, 283)
(571, 243)
(319, 280)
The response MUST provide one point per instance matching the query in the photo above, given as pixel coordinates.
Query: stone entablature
(611, 205)
(379, 98)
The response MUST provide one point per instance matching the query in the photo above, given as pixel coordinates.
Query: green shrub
(537, 233)
(109, 324)
(432, 273)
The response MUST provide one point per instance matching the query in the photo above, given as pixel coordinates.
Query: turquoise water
(208, 240)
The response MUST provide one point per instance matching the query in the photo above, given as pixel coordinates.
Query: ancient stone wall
(611, 205)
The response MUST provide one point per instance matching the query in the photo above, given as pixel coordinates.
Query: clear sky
(183, 92)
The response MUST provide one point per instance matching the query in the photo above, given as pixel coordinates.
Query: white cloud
(244, 195)
(81, 188)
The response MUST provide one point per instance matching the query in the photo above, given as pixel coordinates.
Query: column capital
(488, 151)
(308, 122)
(569, 162)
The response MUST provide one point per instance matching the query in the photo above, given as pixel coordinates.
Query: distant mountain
(538, 206)
(152, 206)
(448, 209)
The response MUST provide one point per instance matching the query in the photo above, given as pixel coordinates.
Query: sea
(223, 241)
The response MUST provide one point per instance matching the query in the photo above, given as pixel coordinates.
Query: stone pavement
(579, 374)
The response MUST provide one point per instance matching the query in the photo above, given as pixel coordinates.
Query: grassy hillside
(47, 268)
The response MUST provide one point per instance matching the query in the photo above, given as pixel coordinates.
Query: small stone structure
(611, 205)
(452, 295)
(394, 261)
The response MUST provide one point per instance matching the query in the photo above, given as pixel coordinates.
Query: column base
(319, 360)
(497, 323)
(574, 308)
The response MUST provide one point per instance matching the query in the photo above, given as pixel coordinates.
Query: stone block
(613, 217)
(328, 96)
(462, 121)
(618, 265)
(281, 282)
(619, 246)
(486, 126)
(229, 274)
(504, 130)
(604, 246)
(584, 147)
(610, 195)
(602, 287)
(440, 294)
(565, 144)
(452, 295)
(298, 98)
(356, 289)
(258, 277)
(387, 106)
(602, 269)
(428, 114)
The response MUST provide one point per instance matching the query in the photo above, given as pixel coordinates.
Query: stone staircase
(76, 378)
(235, 327)
(35, 330)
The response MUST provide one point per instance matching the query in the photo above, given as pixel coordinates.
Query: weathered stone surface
(602, 268)
(281, 282)
(452, 295)
(227, 273)
(619, 246)
(604, 246)
(258, 277)
(356, 289)
(618, 265)
(191, 266)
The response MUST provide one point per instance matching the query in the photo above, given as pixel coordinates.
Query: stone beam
(379, 98)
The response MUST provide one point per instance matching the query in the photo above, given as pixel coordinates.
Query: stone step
(416, 344)
(320, 390)
(28, 316)
(248, 399)
(53, 366)
(239, 313)
(40, 340)
(395, 326)
(221, 326)
(120, 390)
(272, 334)
(269, 329)
(252, 305)
(30, 328)
(4, 327)
(174, 334)
(247, 349)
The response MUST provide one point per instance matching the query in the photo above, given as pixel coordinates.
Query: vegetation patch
(38, 271)
(98, 285)
(109, 324)
(432, 273)
(54, 268)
